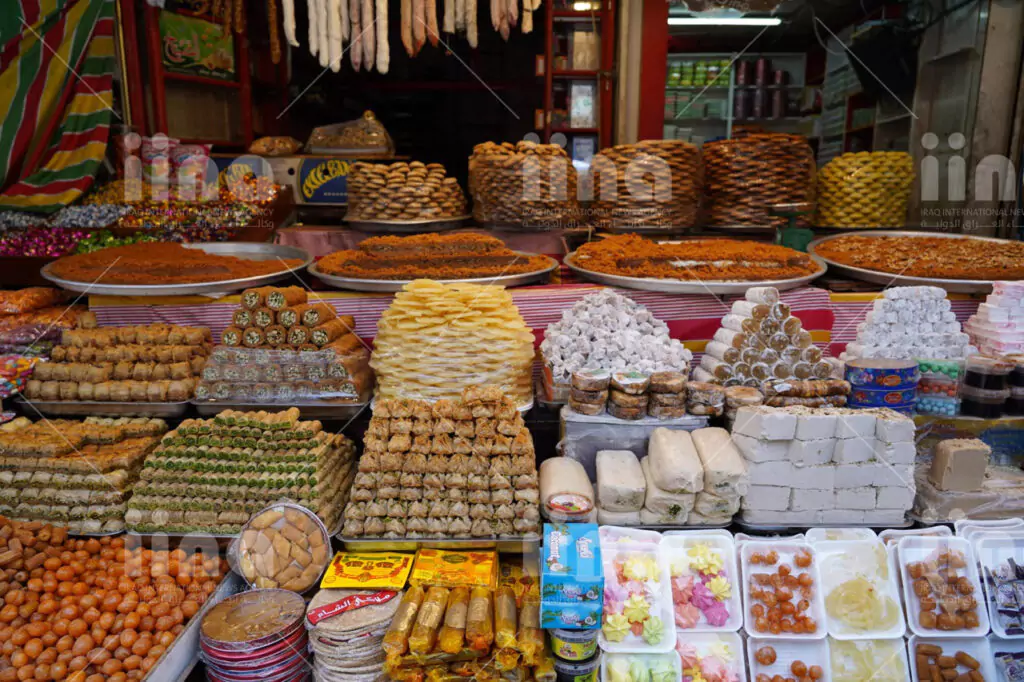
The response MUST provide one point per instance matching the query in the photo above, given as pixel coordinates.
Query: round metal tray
(648, 230)
(674, 286)
(246, 250)
(82, 408)
(394, 285)
(408, 226)
(961, 286)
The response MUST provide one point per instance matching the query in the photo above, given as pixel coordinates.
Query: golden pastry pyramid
(436, 339)
(760, 340)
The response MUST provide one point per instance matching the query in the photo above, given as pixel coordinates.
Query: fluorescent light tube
(724, 21)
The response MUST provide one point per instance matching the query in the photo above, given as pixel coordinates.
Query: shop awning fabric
(56, 67)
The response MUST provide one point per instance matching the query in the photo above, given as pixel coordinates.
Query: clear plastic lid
(983, 364)
(984, 395)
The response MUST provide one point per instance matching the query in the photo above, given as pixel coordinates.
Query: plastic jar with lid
(1015, 404)
(987, 373)
(981, 402)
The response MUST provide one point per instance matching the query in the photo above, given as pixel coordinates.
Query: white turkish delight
(854, 450)
(814, 425)
(856, 475)
(761, 450)
(767, 497)
(895, 497)
(811, 452)
(813, 478)
(811, 499)
(855, 424)
(620, 481)
(765, 422)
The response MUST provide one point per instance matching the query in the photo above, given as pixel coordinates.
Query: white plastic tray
(840, 561)
(991, 553)
(960, 525)
(633, 644)
(649, 659)
(898, 656)
(616, 534)
(675, 547)
(816, 535)
(787, 651)
(1012, 646)
(922, 549)
(978, 647)
(703, 642)
(786, 551)
(892, 536)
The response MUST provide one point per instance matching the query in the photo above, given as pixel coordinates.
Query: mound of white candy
(606, 330)
(910, 322)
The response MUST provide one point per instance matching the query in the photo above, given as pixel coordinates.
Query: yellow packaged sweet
(445, 568)
(363, 570)
(522, 574)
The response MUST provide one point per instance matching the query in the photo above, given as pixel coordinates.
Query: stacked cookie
(628, 395)
(346, 632)
(403, 191)
(522, 184)
(705, 399)
(741, 396)
(667, 397)
(650, 183)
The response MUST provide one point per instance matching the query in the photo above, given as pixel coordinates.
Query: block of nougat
(725, 471)
(959, 465)
(674, 464)
(669, 508)
(620, 481)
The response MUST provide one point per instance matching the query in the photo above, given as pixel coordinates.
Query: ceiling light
(724, 21)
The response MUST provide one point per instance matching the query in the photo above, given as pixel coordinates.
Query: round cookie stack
(403, 191)
(657, 183)
(522, 184)
(347, 645)
(866, 189)
(746, 175)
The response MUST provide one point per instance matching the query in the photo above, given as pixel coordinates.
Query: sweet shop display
(712, 656)
(255, 635)
(861, 591)
(880, 660)
(442, 256)
(941, 587)
(78, 474)
(159, 263)
(705, 593)
(608, 332)
(787, 659)
(641, 667)
(346, 632)
(629, 395)
(997, 328)
(128, 605)
(155, 363)
(865, 189)
(283, 546)
(456, 468)
(961, 257)
(522, 185)
(47, 242)
(937, 659)
(699, 260)
(403, 191)
(910, 322)
(572, 580)
(637, 596)
(777, 573)
(1001, 496)
(436, 339)
(746, 174)
(105, 239)
(653, 183)
(210, 475)
(1003, 575)
(760, 340)
(826, 465)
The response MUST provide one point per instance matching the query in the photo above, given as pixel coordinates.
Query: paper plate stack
(346, 630)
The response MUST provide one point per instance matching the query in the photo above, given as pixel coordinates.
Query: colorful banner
(56, 67)
(196, 47)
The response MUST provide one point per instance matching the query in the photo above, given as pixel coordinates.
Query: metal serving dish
(74, 408)
(246, 250)
(408, 226)
(886, 279)
(320, 410)
(394, 285)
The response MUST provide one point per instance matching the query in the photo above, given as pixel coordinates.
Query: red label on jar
(350, 603)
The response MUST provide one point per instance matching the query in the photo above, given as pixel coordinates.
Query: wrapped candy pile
(609, 331)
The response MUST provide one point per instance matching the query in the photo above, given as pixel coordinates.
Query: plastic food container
(271, 531)
(669, 659)
(816, 535)
(786, 552)
(1015, 404)
(882, 373)
(891, 536)
(993, 555)
(675, 549)
(573, 645)
(658, 584)
(977, 647)
(844, 561)
(888, 654)
(982, 402)
(922, 549)
(714, 644)
(788, 651)
(578, 671)
(883, 397)
(988, 373)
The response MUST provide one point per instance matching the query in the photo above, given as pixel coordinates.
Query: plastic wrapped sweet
(523, 184)
(275, 146)
(362, 136)
(283, 546)
(27, 300)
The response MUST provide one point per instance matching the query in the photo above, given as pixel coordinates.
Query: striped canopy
(56, 67)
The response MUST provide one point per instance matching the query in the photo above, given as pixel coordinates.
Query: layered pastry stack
(211, 475)
(436, 339)
(151, 363)
(439, 256)
(457, 468)
(73, 473)
(760, 340)
(910, 323)
(998, 326)
(826, 465)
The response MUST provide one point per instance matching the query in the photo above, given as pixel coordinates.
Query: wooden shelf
(573, 14)
(201, 80)
(574, 73)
